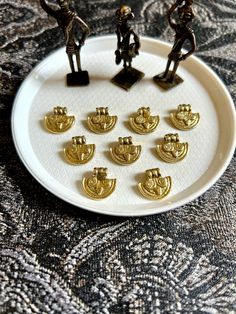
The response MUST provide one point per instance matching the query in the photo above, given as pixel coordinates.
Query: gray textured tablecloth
(56, 258)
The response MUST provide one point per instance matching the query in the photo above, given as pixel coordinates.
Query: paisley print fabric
(55, 258)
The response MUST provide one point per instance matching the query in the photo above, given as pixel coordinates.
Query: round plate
(211, 143)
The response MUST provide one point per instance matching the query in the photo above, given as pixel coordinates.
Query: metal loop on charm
(79, 140)
(78, 152)
(60, 110)
(102, 111)
(125, 140)
(58, 121)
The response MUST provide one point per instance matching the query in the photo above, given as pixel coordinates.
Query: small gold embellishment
(171, 150)
(184, 118)
(143, 122)
(98, 186)
(101, 121)
(155, 187)
(78, 152)
(125, 152)
(58, 121)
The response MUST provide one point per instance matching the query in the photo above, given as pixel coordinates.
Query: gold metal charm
(184, 119)
(143, 122)
(98, 186)
(125, 152)
(101, 122)
(171, 150)
(79, 152)
(155, 187)
(59, 122)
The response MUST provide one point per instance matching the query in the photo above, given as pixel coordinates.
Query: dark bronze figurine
(128, 45)
(183, 33)
(68, 20)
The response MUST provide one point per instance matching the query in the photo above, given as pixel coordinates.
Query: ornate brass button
(171, 150)
(125, 153)
(98, 186)
(184, 118)
(101, 121)
(155, 187)
(78, 152)
(59, 122)
(143, 122)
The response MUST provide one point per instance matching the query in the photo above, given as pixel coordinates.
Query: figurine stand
(80, 78)
(165, 83)
(127, 77)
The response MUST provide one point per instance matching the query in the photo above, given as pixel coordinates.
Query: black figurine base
(126, 78)
(165, 83)
(80, 78)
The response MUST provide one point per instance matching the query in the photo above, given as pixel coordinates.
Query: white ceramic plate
(211, 143)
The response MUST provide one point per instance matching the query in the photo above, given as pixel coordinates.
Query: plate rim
(152, 211)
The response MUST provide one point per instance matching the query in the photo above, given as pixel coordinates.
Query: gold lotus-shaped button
(143, 122)
(155, 187)
(171, 150)
(78, 152)
(58, 121)
(125, 152)
(98, 186)
(184, 118)
(101, 121)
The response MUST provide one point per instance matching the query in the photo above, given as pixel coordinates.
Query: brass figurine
(143, 122)
(68, 21)
(184, 119)
(126, 50)
(183, 33)
(58, 121)
(101, 121)
(155, 187)
(78, 152)
(125, 153)
(98, 186)
(171, 150)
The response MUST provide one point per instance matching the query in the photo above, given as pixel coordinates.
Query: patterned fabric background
(56, 258)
